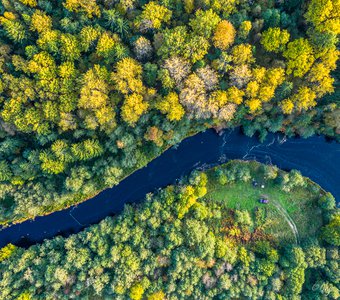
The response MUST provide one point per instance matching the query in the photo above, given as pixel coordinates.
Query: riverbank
(200, 151)
(289, 214)
(208, 231)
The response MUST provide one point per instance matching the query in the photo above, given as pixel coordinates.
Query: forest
(194, 240)
(91, 90)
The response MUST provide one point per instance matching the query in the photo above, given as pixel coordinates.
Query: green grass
(300, 203)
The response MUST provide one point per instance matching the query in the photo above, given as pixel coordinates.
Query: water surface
(315, 157)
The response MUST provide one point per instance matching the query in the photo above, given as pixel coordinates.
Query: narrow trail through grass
(288, 219)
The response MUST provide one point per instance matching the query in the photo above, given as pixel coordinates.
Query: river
(315, 157)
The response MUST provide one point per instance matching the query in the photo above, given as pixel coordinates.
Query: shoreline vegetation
(92, 90)
(207, 236)
(84, 198)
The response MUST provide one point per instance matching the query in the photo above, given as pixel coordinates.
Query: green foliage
(84, 81)
(148, 252)
(331, 232)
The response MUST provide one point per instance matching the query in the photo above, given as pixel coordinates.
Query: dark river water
(315, 157)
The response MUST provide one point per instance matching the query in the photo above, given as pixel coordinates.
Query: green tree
(331, 232)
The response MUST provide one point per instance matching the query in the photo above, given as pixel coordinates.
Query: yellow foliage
(105, 115)
(235, 95)
(156, 14)
(88, 35)
(300, 58)
(224, 35)
(90, 7)
(274, 39)
(136, 292)
(133, 108)
(189, 6)
(266, 92)
(242, 54)
(304, 98)
(49, 40)
(225, 6)
(6, 251)
(157, 296)
(128, 76)
(105, 44)
(252, 89)
(275, 76)
(24, 296)
(171, 106)
(31, 3)
(325, 15)
(44, 65)
(9, 15)
(259, 73)
(67, 69)
(245, 29)
(94, 93)
(287, 106)
(218, 98)
(329, 57)
(244, 257)
(40, 21)
(70, 47)
(254, 105)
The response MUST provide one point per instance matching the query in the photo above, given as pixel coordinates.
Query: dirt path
(288, 219)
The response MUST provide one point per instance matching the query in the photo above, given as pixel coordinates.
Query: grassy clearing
(300, 203)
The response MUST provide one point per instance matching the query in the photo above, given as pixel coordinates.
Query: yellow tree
(89, 7)
(94, 99)
(13, 27)
(153, 15)
(244, 29)
(133, 107)
(325, 15)
(170, 106)
(128, 76)
(235, 95)
(40, 22)
(70, 46)
(322, 82)
(242, 54)
(287, 106)
(254, 105)
(7, 251)
(274, 39)
(204, 22)
(106, 44)
(304, 98)
(224, 35)
(300, 58)
(88, 35)
(31, 3)
(49, 41)
(94, 93)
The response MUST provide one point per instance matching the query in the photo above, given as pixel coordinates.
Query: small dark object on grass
(263, 200)
(254, 182)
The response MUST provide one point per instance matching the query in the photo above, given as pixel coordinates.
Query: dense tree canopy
(84, 85)
(185, 243)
